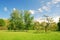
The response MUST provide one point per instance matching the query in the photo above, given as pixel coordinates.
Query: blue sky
(38, 8)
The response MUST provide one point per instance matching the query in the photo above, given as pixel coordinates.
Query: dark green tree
(58, 25)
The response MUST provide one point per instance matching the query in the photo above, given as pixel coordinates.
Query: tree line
(23, 20)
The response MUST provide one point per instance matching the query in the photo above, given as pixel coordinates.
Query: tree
(28, 20)
(2, 22)
(58, 25)
(49, 21)
(16, 20)
(53, 26)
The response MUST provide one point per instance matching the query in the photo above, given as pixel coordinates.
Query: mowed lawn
(29, 36)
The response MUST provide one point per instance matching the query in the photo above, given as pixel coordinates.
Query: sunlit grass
(5, 35)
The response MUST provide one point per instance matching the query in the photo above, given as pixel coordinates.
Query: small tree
(49, 21)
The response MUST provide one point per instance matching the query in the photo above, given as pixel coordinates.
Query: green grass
(29, 36)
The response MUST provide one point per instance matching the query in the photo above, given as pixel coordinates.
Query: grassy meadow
(5, 35)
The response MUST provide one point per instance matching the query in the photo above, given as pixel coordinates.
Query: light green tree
(16, 20)
(49, 21)
(28, 20)
(53, 26)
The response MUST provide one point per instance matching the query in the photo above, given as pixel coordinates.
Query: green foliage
(58, 25)
(28, 20)
(2, 22)
(43, 24)
(16, 20)
(37, 26)
(53, 26)
(20, 21)
(49, 21)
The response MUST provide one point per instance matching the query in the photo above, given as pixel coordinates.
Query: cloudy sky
(38, 8)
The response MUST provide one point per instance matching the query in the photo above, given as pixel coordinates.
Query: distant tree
(2, 22)
(49, 21)
(53, 26)
(58, 25)
(28, 20)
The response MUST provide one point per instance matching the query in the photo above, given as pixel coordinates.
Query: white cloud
(5, 9)
(40, 10)
(32, 11)
(41, 19)
(46, 8)
(55, 1)
(56, 19)
(48, 5)
(14, 9)
(38, 20)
